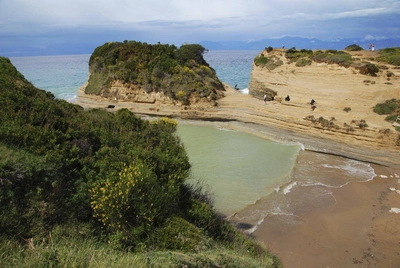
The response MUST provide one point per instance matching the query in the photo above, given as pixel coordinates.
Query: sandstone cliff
(357, 133)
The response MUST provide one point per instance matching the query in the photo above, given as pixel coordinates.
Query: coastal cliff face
(344, 97)
(343, 122)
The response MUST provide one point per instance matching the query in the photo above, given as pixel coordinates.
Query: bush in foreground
(77, 184)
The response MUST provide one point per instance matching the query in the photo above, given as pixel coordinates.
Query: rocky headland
(343, 122)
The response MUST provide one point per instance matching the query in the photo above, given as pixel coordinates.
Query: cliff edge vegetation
(140, 72)
(98, 189)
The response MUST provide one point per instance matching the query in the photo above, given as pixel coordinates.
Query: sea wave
(358, 169)
(289, 188)
(317, 183)
(244, 91)
(70, 97)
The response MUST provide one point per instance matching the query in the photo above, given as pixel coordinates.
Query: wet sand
(352, 228)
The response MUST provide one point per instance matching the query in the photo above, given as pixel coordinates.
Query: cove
(237, 168)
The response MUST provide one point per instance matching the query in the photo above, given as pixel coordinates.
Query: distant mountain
(299, 43)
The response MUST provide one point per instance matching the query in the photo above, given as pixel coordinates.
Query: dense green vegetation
(390, 55)
(391, 108)
(353, 47)
(270, 62)
(306, 57)
(294, 55)
(177, 72)
(98, 189)
(328, 56)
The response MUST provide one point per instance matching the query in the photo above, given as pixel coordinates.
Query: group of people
(312, 102)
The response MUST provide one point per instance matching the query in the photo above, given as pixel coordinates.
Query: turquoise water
(232, 66)
(61, 75)
(240, 169)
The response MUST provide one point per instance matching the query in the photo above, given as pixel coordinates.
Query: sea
(239, 171)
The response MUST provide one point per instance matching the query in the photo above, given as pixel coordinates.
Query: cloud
(179, 21)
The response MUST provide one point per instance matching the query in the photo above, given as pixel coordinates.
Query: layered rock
(343, 122)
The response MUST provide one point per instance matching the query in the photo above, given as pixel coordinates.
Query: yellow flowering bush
(180, 94)
(167, 122)
(134, 197)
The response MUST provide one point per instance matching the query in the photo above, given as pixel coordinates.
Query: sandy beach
(353, 227)
(361, 226)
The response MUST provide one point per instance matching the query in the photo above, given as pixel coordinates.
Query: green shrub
(390, 55)
(385, 131)
(178, 234)
(353, 47)
(260, 60)
(294, 55)
(388, 107)
(392, 117)
(303, 62)
(347, 109)
(333, 56)
(362, 124)
(389, 74)
(270, 62)
(348, 128)
(368, 68)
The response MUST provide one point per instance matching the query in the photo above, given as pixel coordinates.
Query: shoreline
(353, 232)
(357, 231)
(247, 114)
(354, 225)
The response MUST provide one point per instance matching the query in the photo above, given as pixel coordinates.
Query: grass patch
(333, 57)
(270, 62)
(303, 62)
(390, 55)
(67, 251)
(342, 58)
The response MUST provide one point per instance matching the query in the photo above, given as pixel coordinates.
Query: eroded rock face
(131, 93)
(345, 96)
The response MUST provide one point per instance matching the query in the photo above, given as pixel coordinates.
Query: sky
(43, 25)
